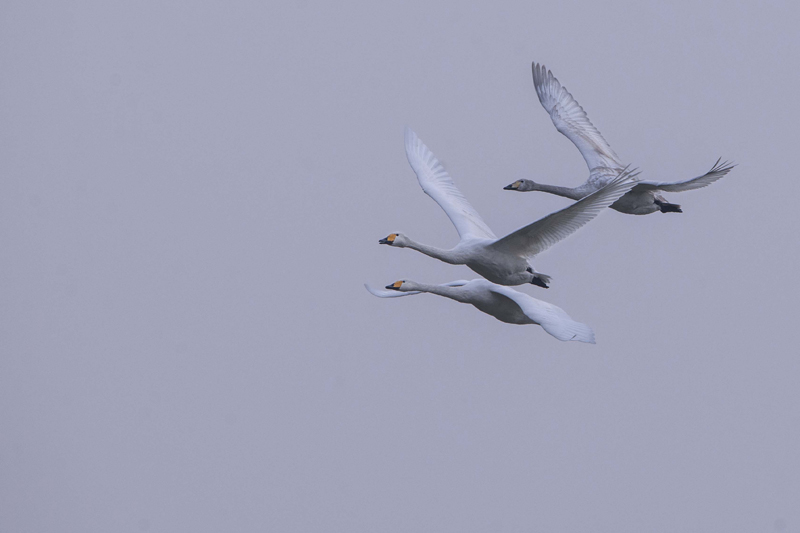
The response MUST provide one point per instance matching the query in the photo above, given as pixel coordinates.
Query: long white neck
(454, 293)
(566, 192)
(443, 255)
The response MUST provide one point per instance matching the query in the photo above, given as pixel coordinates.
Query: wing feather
(716, 172)
(545, 232)
(571, 120)
(438, 184)
(552, 318)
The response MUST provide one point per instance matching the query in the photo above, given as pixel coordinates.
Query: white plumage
(604, 164)
(503, 303)
(505, 260)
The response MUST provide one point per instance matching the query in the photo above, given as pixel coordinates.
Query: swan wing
(386, 293)
(571, 120)
(552, 318)
(438, 184)
(716, 172)
(545, 232)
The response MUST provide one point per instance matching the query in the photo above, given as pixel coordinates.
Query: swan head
(402, 286)
(521, 186)
(394, 239)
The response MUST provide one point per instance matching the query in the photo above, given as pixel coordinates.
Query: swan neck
(431, 251)
(566, 192)
(454, 293)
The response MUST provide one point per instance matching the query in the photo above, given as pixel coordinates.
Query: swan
(503, 261)
(503, 303)
(570, 119)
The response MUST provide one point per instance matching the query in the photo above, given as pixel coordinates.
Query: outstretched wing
(552, 318)
(716, 172)
(570, 119)
(386, 293)
(545, 232)
(438, 184)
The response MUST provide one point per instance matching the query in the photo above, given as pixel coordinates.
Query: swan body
(505, 261)
(504, 303)
(604, 164)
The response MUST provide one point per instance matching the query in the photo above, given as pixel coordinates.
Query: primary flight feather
(505, 261)
(604, 164)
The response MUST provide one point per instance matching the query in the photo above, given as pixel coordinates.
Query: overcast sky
(191, 197)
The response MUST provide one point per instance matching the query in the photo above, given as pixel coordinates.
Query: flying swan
(503, 303)
(504, 261)
(570, 119)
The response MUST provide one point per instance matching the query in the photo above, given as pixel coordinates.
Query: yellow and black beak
(395, 286)
(388, 240)
(513, 187)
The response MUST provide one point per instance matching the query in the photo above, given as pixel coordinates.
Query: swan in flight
(504, 261)
(503, 303)
(570, 119)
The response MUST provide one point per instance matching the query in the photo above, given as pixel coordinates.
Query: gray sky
(191, 199)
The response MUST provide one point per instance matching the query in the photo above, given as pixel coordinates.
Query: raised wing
(552, 318)
(716, 172)
(545, 232)
(386, 293)
(570, 119)
(438, 184)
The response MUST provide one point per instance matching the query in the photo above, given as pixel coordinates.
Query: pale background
(191, 196)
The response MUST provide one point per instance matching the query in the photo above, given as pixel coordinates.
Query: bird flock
(506, 261)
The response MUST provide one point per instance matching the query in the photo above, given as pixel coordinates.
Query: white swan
(571, 120)
(503, 303)
(503, 261)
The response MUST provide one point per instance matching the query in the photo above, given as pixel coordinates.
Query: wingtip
(575, 331)
(628, 174)
(723, 166)
(411, 140)
(537, 72)
(587, 335)
(372, 290)
(411, 137)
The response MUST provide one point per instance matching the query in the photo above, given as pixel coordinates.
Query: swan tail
(541, 280)
(667, 207)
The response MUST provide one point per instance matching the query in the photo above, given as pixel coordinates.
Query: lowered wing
(552, 318)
